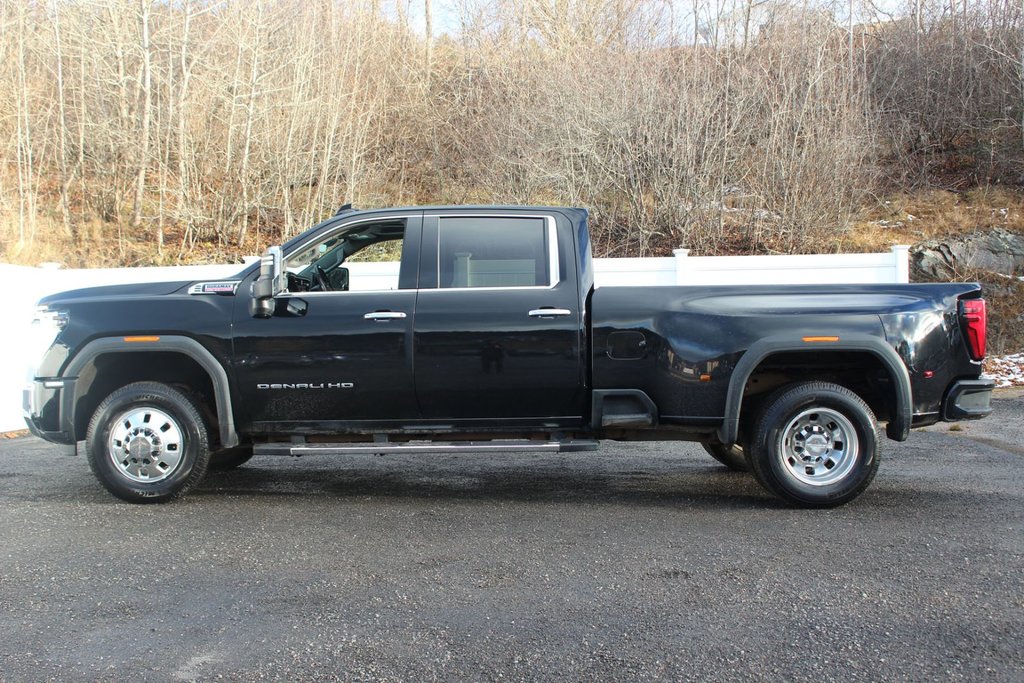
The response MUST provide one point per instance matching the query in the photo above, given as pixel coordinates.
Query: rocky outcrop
(996, 251)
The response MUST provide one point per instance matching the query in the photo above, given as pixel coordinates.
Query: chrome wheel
(818, 447)
(814, 444)
(146, 444)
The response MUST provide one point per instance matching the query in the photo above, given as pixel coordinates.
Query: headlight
(46, 325)
(50, 318)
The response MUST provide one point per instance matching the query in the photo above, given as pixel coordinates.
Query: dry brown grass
(913, 217)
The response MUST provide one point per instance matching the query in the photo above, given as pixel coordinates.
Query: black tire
(815, 444)
(230, 458)
(732, 457)
(147, 443)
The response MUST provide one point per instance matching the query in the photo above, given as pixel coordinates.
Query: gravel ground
(639, 562)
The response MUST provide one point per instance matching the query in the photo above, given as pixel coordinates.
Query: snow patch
(1007, 371)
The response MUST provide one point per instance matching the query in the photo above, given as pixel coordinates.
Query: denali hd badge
(307, 385)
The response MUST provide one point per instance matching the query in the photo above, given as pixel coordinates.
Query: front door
(338, 350)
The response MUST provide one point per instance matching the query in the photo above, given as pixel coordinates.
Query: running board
(517, 446)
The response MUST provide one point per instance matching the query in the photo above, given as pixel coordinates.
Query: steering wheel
(321, 278)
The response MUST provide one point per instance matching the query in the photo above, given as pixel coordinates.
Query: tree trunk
(147, 114)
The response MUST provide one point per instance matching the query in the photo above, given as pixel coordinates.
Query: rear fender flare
(898, 428)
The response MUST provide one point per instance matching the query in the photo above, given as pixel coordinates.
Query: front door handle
(549, 312)
(384, 315)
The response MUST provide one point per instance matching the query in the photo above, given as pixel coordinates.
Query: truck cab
(481, 325)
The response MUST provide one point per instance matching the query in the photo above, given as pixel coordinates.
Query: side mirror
(339, 279)
(269, 284)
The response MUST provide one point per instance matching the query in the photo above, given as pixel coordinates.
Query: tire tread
(158, 393)
(783, 401)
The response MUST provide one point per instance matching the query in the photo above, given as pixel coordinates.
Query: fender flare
(178, 344)
(898, 428)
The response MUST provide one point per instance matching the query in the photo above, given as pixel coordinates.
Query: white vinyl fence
(25, 286)
(804, 269)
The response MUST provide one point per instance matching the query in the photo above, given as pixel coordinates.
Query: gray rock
(997, 251)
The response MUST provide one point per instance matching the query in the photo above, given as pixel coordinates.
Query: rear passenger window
(494, 252)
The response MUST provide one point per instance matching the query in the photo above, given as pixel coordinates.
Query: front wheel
(815, 444)
(147, 443)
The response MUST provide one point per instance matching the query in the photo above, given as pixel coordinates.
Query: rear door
(497, 336)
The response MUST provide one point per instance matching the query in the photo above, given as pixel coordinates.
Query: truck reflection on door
(492, 356)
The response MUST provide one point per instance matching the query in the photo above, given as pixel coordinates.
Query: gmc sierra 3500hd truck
(494, 338)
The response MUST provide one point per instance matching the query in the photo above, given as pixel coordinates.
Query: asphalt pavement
(642, 561)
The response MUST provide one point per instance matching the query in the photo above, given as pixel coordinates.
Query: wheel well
(110, 371)
(860, 372)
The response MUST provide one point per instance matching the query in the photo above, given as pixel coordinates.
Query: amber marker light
(141, 339)
(820, 339)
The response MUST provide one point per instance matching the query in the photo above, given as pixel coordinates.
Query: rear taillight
(973, 313)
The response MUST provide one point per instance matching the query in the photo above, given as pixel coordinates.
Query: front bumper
(968, 399)
(42, 407)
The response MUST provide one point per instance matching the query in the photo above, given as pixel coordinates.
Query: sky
(446, 13)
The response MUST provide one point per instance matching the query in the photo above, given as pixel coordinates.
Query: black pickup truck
(493, 337)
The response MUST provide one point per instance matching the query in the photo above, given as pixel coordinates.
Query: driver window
(360, 257)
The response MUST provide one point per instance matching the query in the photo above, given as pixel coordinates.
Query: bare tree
(146, 86)
(714, 124)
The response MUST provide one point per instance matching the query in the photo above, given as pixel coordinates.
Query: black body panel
(695, 332)
(476, 359)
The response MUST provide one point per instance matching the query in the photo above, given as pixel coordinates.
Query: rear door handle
(549, 312)
(384, 315)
